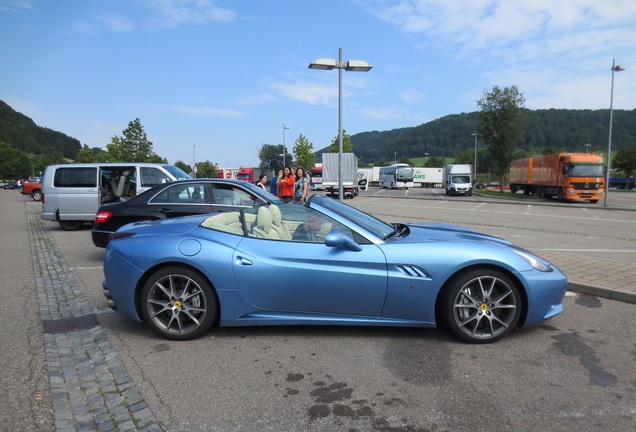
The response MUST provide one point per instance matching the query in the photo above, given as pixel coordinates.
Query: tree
(271, 157)
(303, 152)
(380, 162)
(133, 146)
(501, 122)
(95, 154)
(206, 170)
(434, 162)
(465, 157)
(625, 160)
(14, 163)
(347, 145)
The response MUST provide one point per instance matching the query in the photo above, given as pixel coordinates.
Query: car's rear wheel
(481, 305)
(36, 195)
(71, 225)
(178, 303)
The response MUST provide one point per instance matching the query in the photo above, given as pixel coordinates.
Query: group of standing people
(290, 187)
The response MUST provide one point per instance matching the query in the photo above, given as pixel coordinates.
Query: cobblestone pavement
(90, 386)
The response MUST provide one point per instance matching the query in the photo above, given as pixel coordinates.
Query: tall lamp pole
(194, 161)
(284, 147)
(615, 68)
(475, 167)
(350, 65)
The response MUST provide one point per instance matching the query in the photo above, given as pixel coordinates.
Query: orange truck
(567, 176)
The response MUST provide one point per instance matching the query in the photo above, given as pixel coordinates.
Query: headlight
(534, 261)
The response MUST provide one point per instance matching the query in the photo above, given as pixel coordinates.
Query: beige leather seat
(277, 223)
(262, 227)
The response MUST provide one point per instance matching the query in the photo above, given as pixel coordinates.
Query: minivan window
(177, 172)
(75, 177)
(152, 177)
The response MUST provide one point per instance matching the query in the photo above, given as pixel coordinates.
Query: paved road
(575, 372)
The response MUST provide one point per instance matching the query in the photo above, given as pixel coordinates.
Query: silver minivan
(72, 193)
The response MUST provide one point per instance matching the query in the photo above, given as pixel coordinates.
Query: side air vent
(412, 271)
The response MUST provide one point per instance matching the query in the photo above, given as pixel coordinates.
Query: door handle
(243, 261)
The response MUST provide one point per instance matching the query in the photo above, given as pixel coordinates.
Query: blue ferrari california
(324, 263)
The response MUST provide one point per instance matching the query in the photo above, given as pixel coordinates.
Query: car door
(291, 276)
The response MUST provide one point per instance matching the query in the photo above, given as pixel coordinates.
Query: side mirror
(338, 239)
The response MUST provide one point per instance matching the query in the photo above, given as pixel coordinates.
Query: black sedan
(10, 185)
(179, 198)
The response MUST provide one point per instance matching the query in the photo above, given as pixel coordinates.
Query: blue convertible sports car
(324, 263)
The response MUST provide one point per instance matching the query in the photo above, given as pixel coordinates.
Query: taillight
(42, 200)
(102, 216)
(121, 235)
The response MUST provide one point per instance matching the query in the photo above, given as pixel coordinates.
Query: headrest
(264, 218)
(276, 214)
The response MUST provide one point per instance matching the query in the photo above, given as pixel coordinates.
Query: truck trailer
(427, 177)
(568, 176)
(331, 177)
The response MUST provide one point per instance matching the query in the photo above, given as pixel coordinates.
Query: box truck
(457, 179)
(330, 174)
(567, 176)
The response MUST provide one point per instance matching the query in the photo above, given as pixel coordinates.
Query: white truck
(330, 174)
(457, 179)
(427, 177)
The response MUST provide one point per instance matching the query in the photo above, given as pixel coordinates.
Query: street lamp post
(194, 161)
(350, 65)
(475, 167)
(284, 147)
(615, 68)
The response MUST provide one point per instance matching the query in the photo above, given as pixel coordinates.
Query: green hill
(560, 129)
(20, 132)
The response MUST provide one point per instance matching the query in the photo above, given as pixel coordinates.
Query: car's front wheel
(178, 303)
(481, 305)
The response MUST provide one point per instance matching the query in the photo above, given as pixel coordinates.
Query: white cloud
(202, 111)
(118, 23)
(173, 13)
(411, 95)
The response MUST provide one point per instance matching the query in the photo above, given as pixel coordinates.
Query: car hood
(432, 231)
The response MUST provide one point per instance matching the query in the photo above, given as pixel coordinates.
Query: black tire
(71, 225)
(593, 201)
(560, 195)
(36, 195)
(480, 305)
(178, 303)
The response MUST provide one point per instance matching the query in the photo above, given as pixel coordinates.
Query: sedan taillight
(102, 216)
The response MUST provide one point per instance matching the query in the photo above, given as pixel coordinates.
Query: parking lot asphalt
(91, 388)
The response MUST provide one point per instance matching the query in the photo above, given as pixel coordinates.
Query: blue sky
(226, 75)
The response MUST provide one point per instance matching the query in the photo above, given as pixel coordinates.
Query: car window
(75, 177)
(151, 176)
(233, 196)
(181, 194)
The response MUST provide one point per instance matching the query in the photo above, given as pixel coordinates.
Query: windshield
(375, 226)
(178, 173)
(405, 174)
(460, 179)
(587, 170)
